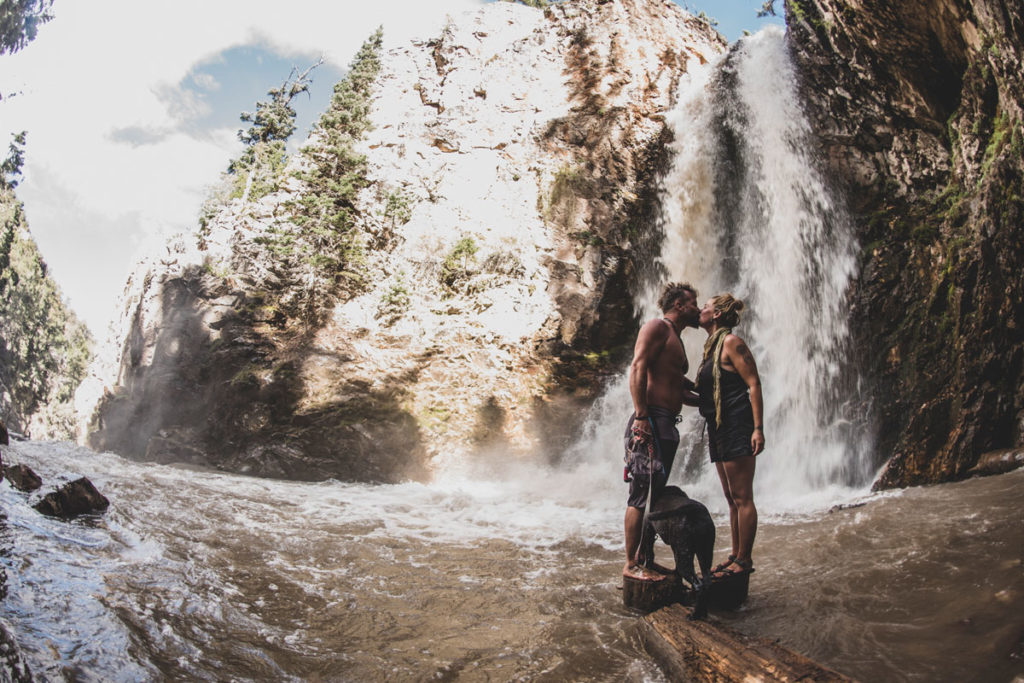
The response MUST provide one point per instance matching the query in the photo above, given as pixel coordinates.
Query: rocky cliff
(507, 205)
(918, 111)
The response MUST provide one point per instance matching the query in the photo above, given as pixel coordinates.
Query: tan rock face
(513, 165)
(919, 109)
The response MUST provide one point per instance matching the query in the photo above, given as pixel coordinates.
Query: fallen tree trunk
(700, 651)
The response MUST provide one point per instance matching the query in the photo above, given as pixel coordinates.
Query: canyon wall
(917, 108)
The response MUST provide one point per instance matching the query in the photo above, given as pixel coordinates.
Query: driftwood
(700, 651)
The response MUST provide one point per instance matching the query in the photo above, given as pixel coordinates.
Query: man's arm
(741, 358)
(649, 343)
(690, 396)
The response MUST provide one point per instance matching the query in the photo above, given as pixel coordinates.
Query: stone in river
(998, 462)
(22, 477)
(75, 498)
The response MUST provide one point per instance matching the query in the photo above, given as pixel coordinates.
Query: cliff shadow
(216, 379)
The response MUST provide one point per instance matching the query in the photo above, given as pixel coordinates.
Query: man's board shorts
(643, 455)
(731, 440)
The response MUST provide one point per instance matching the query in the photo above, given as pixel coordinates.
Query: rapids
(200, 575)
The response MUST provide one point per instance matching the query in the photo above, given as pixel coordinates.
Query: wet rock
(923, 127)
(998, 462)
(22, 477)
(74, 498)
(165, 448)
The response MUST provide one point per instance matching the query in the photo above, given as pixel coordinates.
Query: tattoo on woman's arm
(745, 353)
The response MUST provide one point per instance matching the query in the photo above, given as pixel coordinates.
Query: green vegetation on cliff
(335, 172)
(20, 21)
(44, 348)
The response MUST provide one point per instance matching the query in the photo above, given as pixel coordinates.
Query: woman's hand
(757, 441)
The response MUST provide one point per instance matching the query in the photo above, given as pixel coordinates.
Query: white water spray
(746, 211)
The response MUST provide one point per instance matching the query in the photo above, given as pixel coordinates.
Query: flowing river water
(501, 569)
(197, 575)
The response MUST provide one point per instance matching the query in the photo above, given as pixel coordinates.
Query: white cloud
(109, 162)
(206, 82)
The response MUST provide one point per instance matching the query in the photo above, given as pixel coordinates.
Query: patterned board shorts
(642, 455)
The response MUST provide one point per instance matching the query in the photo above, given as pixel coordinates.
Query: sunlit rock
(513, 168)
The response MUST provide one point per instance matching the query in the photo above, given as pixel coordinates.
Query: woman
(730, 401)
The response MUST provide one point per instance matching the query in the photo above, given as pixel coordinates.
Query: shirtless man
(659, 387)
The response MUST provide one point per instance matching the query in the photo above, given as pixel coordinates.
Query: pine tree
(272, 124)
(44, 348)
(326, 212)
(10, 168)
(20, 21)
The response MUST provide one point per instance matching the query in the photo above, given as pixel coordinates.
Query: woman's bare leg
(733, 518)
(739, 474)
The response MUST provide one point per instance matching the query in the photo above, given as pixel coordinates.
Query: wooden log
(702, 651)
(729, 591)
(648, 595)
(726, 592)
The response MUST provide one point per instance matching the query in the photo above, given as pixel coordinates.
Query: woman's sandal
(721, 567)
(745, 567)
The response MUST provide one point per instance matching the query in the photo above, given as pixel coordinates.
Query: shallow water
(209, 576)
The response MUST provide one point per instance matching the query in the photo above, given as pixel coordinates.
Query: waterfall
(745, 210)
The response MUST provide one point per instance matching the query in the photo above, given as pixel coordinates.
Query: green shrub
(455, 269)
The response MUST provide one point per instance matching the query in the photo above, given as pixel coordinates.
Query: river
(201, 575)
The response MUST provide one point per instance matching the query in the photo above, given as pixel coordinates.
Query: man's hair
(673, 291)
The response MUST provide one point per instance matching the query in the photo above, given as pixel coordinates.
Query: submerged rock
(22, 477)
(74, 498)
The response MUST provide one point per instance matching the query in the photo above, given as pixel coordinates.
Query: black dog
(686, 526)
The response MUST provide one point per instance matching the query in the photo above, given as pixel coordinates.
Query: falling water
(746, 211)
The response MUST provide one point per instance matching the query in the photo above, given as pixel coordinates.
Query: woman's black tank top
(734, 390)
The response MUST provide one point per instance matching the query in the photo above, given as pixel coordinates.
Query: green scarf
(713, 346)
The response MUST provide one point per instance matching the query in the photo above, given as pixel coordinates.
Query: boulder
(74, 498)
(22, 477)
(4, 439)
(998, 462)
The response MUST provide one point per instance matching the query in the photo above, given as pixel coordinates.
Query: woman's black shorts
(732, 439)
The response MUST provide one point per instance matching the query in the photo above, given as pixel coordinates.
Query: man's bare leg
(634, 528)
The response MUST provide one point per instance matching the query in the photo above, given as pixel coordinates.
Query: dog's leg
(704, 540)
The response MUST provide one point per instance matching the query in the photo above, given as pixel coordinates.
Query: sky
(132, 108)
